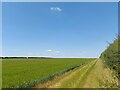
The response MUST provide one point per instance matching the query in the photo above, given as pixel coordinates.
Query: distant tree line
(111, 56)
(25, 57)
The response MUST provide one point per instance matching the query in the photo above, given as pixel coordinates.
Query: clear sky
(58, 29)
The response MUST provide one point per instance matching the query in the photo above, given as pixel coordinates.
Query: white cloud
(55, 9)
(53, 51)
(49, 50)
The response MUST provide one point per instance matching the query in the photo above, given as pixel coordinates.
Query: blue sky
(58, 29)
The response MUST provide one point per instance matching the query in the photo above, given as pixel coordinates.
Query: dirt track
(92, 75)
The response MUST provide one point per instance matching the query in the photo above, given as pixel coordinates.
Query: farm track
(65, 79)
(91, 75)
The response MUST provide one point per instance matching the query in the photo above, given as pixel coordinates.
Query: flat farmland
(22, 72)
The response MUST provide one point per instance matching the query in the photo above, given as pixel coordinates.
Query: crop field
(18, 73)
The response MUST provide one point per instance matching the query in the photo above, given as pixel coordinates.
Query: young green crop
(19, 73)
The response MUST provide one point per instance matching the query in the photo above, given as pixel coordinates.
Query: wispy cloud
(49, 50)
(56, 9)
(53, 51)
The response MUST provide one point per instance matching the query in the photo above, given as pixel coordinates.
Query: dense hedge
(111, 56)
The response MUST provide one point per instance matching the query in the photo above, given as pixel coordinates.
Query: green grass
(28, 72)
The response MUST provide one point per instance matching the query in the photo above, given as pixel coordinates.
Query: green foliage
(19, 73)
(111, 56)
